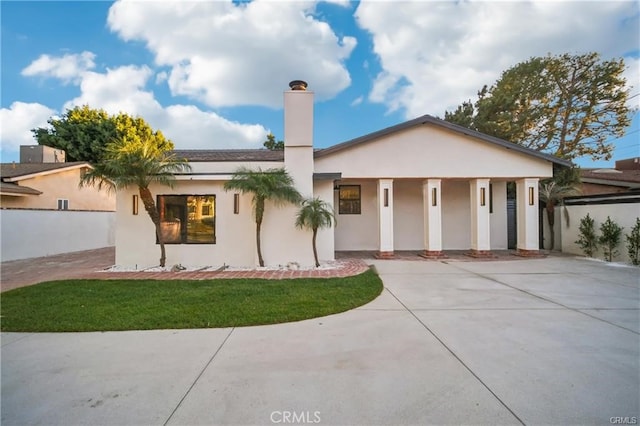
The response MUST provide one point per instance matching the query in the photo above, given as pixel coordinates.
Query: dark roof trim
(12, 188)
(610, 182)
(617, 198)
(427, 119)
(327, 176)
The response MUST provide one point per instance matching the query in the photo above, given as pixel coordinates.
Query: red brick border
(344, 268)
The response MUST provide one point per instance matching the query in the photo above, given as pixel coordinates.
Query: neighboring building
(425, 185)
(43, 211)
(623, 178)
(50, 186)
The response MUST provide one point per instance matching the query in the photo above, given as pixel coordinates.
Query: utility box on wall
(41, 154)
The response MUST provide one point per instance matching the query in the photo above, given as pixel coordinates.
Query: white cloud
(227, 55)
(17, 122)
(435, 55)
(68, 68)
(123, 90)
(357, 101)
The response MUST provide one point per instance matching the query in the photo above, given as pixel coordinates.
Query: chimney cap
(298, 85)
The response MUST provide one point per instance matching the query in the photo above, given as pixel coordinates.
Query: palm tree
(137, 162)
(315, 214)
(273, 184)
(553, 194)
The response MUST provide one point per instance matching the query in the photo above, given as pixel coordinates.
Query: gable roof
(428, 119)
(214, 155)
(12, 172)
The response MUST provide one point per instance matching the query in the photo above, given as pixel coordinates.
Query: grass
(108, 305)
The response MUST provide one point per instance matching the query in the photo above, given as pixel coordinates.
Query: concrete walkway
(545, 341)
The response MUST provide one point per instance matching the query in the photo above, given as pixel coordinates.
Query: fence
(35, 233)
(623, 209)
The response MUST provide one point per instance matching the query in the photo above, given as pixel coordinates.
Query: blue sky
(210, 74)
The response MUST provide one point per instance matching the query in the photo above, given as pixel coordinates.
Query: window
(63, 204)
(187, 219)
(349, 199)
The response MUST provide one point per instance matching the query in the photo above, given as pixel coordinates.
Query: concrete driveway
(546, 341)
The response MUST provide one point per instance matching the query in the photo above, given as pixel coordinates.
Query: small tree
(271, 143)
(139, 158)
(552, 194)
(610, 238)
(588, 240)
(633, 243)
(315, 214)
(273, 184)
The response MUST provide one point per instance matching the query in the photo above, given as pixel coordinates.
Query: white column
(480, 220)
(432, 210)
(385, 217)
(527, 216)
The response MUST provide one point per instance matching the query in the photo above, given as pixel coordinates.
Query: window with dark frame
(349, 200)
(187, 219)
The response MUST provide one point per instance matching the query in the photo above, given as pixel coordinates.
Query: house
(44, 181)
(624, 177)
(425, 185)
(43, 211)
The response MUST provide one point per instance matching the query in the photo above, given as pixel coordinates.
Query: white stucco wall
(623, 214)
(358, 231)
(408, 220)
(427, 151)
(235, 233)
(34, 233)
(456, 216)
(498, 218)
(325, 240)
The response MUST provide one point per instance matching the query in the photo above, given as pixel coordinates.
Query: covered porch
(431, 216)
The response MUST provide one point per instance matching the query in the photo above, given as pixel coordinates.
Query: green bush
(588, 240)
(610, 238)
(633, 243)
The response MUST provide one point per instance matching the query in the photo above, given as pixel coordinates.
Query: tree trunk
(551, 219)
(315, 251)
(258, 226)
(152, 211)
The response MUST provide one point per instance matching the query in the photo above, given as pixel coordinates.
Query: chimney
(298, 136)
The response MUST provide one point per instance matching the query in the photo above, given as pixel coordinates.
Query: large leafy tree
(82, 132)
(139, 157)
(315, 214)
(566, 105)
(275, 185)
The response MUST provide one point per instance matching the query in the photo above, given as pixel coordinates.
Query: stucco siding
(427, 151)
(623, 214)
(456, 216)
(35, 233)
(408, 221)
(359, 231)
(235, 233)
(498, 219)
(61, 185)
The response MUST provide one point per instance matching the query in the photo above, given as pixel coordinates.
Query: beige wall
(427, 151)
(408, 220)
(61, 185)
(623, 214)
(499, 237)
(456, 215)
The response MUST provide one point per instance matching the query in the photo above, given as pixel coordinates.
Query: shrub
(633, 243)
(610, 238)
(588, 240)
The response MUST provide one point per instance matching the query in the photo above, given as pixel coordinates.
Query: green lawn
(104, 305)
